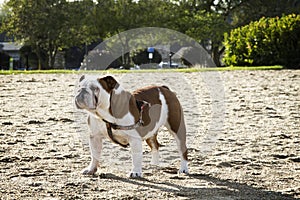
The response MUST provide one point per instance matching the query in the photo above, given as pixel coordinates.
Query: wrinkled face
(87, 96)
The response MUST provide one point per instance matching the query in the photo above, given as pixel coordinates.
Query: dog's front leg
(95, 143)
(137, 157)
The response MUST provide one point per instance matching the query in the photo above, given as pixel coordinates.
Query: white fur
(95, 142)
(155, 157)
(183, 163)
(119, 90)
(163, 116)
(137, 156)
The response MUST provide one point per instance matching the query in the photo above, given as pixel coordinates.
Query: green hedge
(269, 41)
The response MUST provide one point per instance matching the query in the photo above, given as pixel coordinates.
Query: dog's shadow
(215, 188)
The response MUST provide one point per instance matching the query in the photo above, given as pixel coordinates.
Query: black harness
(109, 126)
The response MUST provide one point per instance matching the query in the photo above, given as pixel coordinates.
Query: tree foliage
(269, 41)
(253, 10)
(49, 26)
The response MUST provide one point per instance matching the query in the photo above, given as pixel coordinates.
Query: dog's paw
(89, 171)
(135, 175)
(183, 171)
(184, 167)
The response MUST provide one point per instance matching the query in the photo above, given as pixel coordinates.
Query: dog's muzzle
(78, 106)
(79, 103)
(81, 99)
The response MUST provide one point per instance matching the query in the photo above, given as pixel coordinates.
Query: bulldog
(129, 118)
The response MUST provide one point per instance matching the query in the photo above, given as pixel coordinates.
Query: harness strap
(109, 126)
(110, 134)
(124, 128)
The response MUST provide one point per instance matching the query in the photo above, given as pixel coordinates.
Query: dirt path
(243, 142)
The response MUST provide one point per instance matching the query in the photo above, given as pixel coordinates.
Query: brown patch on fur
(151, 95)
(133, 109)
(120, 104)
(176, 119)
(166, 87)
(174, 107)
(151, 114)
(153, 143)
(108, 83)
(185, 155)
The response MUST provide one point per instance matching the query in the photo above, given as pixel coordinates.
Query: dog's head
(93, 92)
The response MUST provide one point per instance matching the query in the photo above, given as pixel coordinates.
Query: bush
(269, 41)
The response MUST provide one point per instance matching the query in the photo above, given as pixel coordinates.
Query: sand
(243, 139)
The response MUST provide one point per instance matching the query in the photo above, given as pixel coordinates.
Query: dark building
(9, 53)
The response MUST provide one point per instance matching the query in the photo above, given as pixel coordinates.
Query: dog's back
(155, 95)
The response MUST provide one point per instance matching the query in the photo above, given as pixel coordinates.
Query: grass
(14, 72)
(185, 70)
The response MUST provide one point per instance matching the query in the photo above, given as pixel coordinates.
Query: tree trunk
(216, 54)
(42, 59)
(52, 56)
(126, 59)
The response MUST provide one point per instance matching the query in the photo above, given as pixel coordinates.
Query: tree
(248, 11)
(208, 20)
(201, 21)
(48, 25)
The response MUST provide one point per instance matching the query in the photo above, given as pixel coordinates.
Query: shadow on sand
(215, 188)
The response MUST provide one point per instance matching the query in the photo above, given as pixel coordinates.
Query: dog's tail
(166, 87)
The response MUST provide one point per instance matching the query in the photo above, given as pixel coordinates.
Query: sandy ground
(243, 138)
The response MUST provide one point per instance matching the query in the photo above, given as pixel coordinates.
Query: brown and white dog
(129, 118)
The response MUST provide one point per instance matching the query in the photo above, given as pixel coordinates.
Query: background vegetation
(52, 26)
(268, 41)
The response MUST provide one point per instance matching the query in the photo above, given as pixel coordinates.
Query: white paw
(183, 171)
(135, 175)
(184, 167)
(89, 171)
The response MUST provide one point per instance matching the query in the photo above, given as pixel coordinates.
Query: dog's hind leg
(179, 132)
(154, 145)
(176, 125)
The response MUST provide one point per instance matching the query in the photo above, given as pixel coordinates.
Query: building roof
(10, 46)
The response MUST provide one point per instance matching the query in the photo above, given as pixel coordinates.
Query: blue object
(150, 49)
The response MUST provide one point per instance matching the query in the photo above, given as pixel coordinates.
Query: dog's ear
(108, 83)
(82, 78)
